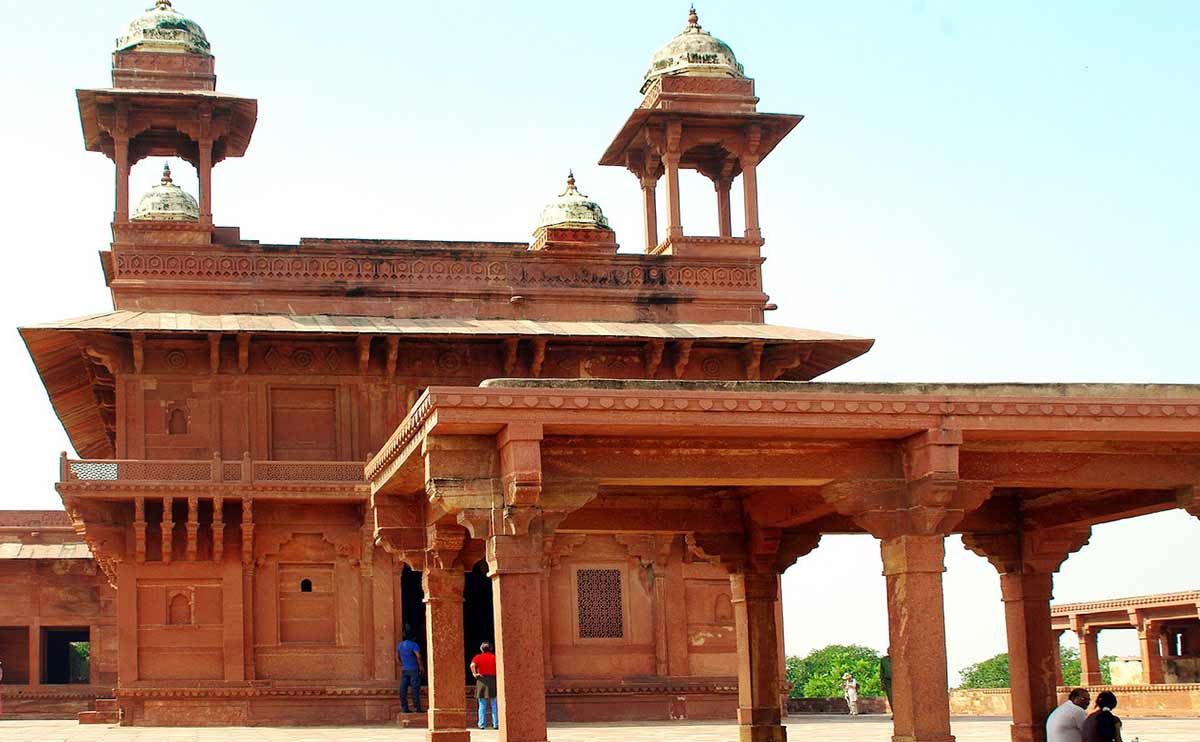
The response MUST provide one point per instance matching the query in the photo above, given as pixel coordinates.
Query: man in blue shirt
(411, 669)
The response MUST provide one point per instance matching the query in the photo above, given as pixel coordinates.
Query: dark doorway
(66, 656)
(14, 651)
(478, 619)
(412, 607)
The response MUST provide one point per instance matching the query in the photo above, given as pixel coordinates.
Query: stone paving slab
(814, 728)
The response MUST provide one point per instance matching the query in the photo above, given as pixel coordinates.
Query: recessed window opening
(306, 585)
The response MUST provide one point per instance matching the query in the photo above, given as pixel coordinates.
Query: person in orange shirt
(483, 667)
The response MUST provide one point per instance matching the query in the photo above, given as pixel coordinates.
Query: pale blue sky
(993, 191)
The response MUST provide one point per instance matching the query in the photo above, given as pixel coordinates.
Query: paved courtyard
(815, 728)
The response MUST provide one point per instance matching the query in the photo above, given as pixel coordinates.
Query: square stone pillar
(1032, 653)
(754, 596)
(1027, 561)
(1089, 656)
(913, 567)
(444, 637)
(515, 563)
(1058, 671)
(1148, 638)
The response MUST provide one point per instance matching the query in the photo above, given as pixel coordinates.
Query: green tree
(993, 672)
(990, 673)
(819, 673)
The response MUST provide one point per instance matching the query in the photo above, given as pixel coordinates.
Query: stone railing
(212, 471)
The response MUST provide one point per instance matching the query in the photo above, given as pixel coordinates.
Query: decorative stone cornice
(1191, 597)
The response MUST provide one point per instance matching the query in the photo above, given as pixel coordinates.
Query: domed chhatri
(164, 29)
(572, 210)
(695, 52)
(166, 202)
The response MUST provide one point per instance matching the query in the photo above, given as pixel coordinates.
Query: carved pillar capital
(931, 499)
(1026, 551)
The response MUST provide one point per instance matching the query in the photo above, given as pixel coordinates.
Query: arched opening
(306, 585)
(723, 609)
(177, 423)
(179, 612)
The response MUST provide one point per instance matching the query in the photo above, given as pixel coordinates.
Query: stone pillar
(724, 217)
(35, 653)
(650, 206)
(205, 178)
(1032, 653)
(1152, 666)
(442, 580)
(192, 527)
(1058, 671)
(753, 597)
(674, 218)
(515, 563)
(121, 161)
(1089, 656)
(913, 567)
(1027, 561)
(750, 196)
(167, 529)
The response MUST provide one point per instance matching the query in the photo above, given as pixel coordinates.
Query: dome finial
(162, 4)
(693, 19)
(570, 178)
(166, 176)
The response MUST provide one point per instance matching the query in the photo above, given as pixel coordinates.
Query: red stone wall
(1133, 700)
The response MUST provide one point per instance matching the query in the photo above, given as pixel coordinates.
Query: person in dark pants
(483, 667)
(412, 666)
(885, 676)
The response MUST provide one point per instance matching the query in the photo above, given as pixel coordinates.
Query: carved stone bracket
(1038, 551)
(764, 550)
(651, 550)
(930, 500)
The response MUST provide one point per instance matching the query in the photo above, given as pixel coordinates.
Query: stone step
(100, 717)
(412, 721)
(106, 704)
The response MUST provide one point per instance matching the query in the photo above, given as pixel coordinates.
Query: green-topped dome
(164, 29)
(166, 202)
(572, 210)
(694, 52)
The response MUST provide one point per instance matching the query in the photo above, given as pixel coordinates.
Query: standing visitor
(885, 677)
(1065, 723)
(411, 668)
(850, 689)
(1102, 725)
(483, 667)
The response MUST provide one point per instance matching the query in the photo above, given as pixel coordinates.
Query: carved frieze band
(434, 271)
(778, 403)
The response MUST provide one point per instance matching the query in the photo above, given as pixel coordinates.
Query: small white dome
(164, 29)
(695, 52)
(166, 202)
(572, 209)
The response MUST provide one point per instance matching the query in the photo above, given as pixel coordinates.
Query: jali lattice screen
(599, 592)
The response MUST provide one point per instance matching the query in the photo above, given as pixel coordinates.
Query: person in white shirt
(1065, 723)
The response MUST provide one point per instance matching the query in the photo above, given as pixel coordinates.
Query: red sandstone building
(601, 460)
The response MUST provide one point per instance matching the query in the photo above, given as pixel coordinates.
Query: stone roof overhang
(631, 137)
(1131, 612)
(69, 377)
(1116, 450)
(153, 117)
(45, 551)
(1191, 598)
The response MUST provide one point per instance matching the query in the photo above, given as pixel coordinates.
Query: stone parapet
(1176, 700)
